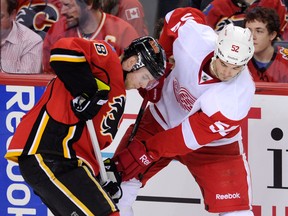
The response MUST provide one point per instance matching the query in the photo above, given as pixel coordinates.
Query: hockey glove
(133, 160)
(86, 108)
(153, 94)
(112, 186)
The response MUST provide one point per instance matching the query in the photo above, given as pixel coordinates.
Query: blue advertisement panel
(16, 196)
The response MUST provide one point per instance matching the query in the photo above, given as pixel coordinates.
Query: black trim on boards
(168, 199)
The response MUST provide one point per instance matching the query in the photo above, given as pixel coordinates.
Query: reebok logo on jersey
(144, 160)
(227, 196)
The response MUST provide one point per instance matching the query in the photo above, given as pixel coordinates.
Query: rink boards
(173, 192)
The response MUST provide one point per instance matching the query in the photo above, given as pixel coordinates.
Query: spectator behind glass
(85, 19)
(21, 48)
(129, 10)
(222, 12)
(38, 15)
(285, 34)
(269, 63)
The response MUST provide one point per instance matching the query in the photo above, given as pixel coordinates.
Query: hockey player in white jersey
(197, 119)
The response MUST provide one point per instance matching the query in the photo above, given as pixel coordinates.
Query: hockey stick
(110, 186)
(96, 148)
(97, 151)
(138, 119)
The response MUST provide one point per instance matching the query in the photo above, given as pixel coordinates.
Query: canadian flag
(132, 13)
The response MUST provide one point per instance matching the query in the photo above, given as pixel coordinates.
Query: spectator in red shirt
(269, 63)
(85, 19)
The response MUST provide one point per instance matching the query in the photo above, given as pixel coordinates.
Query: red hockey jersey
(112, 29)
(275, 71)
(52, 127)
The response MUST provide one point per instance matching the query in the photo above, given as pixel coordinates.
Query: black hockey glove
(113, 185)
(241, 4)
(86, 108)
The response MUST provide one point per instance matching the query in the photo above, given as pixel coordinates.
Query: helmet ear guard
(150, 54)
(235, 45)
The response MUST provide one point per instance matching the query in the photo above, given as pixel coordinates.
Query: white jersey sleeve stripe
(188, 136)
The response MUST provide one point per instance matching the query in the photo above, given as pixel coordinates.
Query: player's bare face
(141, 78)
(71, 11)
(225, 71)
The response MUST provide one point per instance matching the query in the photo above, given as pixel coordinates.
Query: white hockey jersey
(195, 108)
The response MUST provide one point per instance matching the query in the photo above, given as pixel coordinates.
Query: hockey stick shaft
(97, 150)
(138, 119)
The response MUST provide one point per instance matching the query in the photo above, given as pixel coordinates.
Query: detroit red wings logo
(183, 96)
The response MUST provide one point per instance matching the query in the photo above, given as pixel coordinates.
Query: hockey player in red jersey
(269, 63)
(197, 119)
(52, 144)
(129, 10)
(84, 19)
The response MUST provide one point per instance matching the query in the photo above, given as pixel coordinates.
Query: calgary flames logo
(284, 52)
(38, 16)
(108, 126)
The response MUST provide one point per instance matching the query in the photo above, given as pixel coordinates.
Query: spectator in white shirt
(21, 48)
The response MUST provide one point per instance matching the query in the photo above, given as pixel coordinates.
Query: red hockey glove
(133, 160)
(153, 94)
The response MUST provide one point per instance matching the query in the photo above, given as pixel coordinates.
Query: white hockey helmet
(234, 45)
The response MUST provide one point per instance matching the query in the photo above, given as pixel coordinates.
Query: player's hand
(86, 108)
(113, 185)
(153, 94)
(133, 160)
(113, 189)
